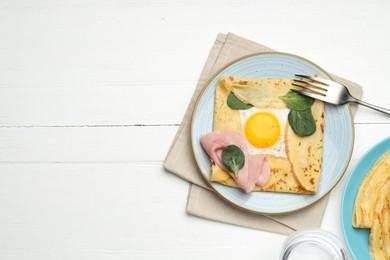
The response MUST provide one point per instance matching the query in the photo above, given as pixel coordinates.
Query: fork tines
(311, 85)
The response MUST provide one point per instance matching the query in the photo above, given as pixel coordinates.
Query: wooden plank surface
(62, 206)
(93, 92)
(82, 62)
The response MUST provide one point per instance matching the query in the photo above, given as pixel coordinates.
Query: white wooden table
(92, 94)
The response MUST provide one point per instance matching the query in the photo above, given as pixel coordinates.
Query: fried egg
(264, 130)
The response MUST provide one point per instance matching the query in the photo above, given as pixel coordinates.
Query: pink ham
(255, 170)
(259, 163)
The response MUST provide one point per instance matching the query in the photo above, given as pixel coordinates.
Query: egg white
(279, 148)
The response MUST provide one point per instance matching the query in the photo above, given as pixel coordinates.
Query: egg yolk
(262, 129)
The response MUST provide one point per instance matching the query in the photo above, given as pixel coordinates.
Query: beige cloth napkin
(202, 201)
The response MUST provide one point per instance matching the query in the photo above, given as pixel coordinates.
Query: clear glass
(313, 244)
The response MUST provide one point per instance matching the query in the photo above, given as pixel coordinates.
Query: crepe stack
(372, 207)
(296, 172)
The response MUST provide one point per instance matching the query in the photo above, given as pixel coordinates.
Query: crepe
(380, 232)
(372, 207)
(305, 154)
(377, 179)
(299, 171)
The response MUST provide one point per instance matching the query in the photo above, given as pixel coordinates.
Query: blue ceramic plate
(358, 239)
(338, 134)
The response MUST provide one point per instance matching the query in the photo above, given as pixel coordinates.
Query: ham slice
(260, 164)
(256, 169)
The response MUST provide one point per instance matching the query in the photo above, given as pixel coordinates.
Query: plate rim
(204, 87)
(364, 157)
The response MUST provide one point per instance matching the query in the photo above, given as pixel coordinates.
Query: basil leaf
(302, 122)
(297, 101)
(234, 103)
(233, 159)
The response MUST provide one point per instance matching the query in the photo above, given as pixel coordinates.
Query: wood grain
(91, 96)
(83, 62)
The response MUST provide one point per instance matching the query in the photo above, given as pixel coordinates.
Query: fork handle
(377, 108)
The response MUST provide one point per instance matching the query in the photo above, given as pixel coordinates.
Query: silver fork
(329, 91)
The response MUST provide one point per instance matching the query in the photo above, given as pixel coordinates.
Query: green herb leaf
(233, 159)
(234, 103)
(302, 122)
(297, 101)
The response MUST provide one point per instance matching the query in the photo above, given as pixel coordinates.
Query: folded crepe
(296, 172)
(372, 192)
(372, 207)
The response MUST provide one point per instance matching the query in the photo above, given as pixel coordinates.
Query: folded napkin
(202, 201)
